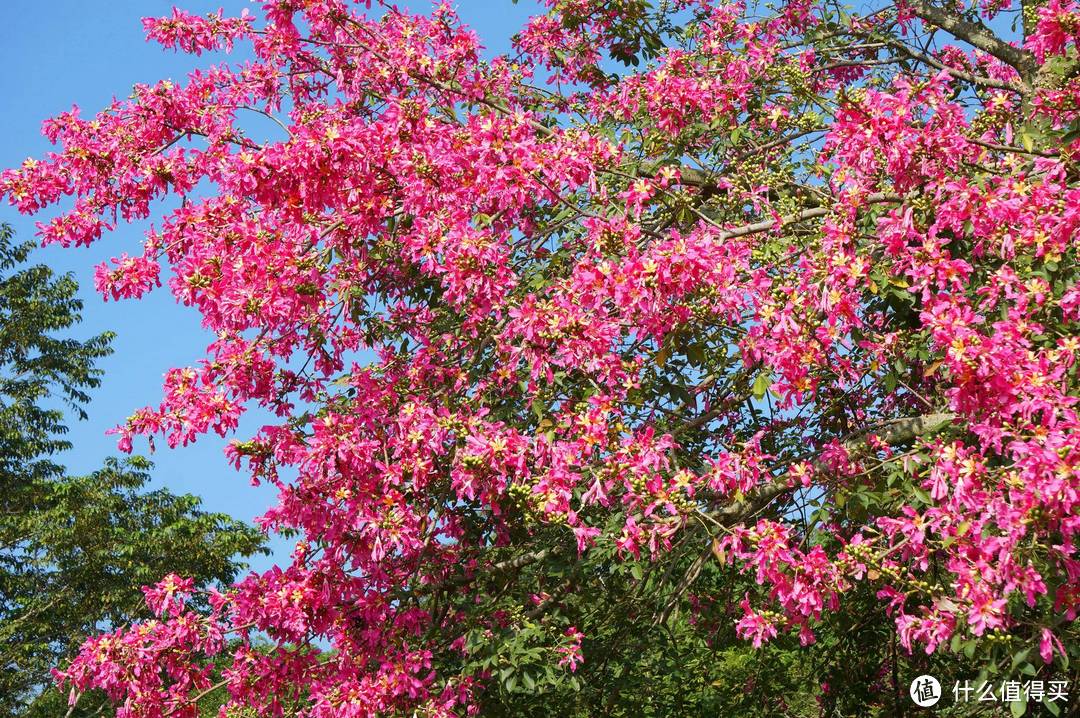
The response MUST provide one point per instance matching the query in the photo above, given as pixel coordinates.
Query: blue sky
(56, 53)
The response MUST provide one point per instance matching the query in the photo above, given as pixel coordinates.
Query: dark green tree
(76, 550)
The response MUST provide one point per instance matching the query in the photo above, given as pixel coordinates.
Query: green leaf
(695, 353)
(1018, 708)
(679, 394)
(890, 381)
(1019, 657)
(761, 385)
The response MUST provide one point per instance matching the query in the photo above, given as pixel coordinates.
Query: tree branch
(765, 225)
(511, 564)
(898, 431)
(977, 35)
(979, 80)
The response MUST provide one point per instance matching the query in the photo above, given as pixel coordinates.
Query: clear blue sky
(58, 52)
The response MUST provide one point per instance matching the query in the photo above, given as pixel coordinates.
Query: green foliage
(655, 645)
(76, 550)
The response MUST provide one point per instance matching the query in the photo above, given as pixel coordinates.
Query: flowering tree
(689, 319)
(74, 550)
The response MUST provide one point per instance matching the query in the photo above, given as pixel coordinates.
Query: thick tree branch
(899, 431)
(978, 80)
(512, 564)
(977, 35)
(766, 225)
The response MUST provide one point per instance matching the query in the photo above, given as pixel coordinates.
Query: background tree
(76, 550)
(690, 328)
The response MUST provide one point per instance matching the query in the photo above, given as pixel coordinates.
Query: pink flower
(986, 614)
(132, 277)
(1058, 25)
(168, 596)
(194, 34)
(586, 536)
(570, 651)
(753, 625)
(1048, 642)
